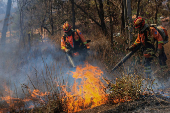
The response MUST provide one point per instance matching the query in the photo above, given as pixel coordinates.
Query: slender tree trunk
(101, 15)
(138, 8)
(156, 13)
(122, 19)
(73, 13)
(111, 23)
(129, 20)
(51, 18)
(125, 18)
(21, 16)
(21, 28)
(6, 20)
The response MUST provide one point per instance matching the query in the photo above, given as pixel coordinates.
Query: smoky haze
(19, 66)
(26, 66)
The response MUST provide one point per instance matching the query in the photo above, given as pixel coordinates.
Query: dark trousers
(147, 62)
(147, 65)
(162, 59)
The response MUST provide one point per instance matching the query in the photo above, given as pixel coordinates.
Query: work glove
(67, 50)
(88, 47)
(130, 48)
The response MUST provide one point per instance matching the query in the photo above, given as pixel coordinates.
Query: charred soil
(147, 103)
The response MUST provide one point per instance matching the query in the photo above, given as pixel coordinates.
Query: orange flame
(36, 95)
(89, 93)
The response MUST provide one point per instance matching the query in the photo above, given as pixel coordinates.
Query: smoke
(44, 62)
(158, 80)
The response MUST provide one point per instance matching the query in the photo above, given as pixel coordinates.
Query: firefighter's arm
(137, 41)
(63, 45)
(83, 39)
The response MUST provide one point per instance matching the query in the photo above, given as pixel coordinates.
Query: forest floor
(149, 103)
(146, 104)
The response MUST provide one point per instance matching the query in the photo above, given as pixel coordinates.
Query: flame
(36, 93)
(88, 93)
(16, 103)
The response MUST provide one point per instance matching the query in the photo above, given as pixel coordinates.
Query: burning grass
(87, 91)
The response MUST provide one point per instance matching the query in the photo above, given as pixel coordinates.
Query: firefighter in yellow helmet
(73, 40)
(146, 37)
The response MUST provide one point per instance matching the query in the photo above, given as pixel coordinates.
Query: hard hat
(139, 22)
(66, 27)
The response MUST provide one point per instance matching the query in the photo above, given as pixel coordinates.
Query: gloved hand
(88, 47)
(67, 50)
(160, 51)
(130, 48)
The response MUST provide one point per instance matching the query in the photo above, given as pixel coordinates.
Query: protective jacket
(147, 37)
(74, 41)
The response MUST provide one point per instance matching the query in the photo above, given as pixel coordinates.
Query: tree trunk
(125, 18)
(101, 15)
(158, 4)
(6, 20)
(111, 23)
(21, 28)
(73, 14)
(138, 9)
(51, 18)
(129, 20)
(122, 19)
(21, 16)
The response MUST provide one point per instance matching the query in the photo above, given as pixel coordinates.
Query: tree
(101, 15)
(138, 8)
(158, 4)
(111, 23)
(73, 14)
(122, 17)
(6, 20)
(129, 19)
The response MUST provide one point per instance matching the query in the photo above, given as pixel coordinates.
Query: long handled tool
(124, 59)
(70, 60)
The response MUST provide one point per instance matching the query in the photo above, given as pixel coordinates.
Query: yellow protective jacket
(76, 42)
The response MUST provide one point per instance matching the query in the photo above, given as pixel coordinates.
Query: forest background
(31, 31)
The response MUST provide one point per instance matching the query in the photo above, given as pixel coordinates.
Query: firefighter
(73, 40)
(147, 37)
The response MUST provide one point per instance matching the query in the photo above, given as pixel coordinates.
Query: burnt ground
(146, 104)
(150, 103)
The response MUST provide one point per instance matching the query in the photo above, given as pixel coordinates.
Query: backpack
(76, 43)
(162, 31)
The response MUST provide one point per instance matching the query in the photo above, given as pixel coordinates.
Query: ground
(150, 103)
(147, 104)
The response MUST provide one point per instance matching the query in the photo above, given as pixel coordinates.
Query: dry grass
(127, 87)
